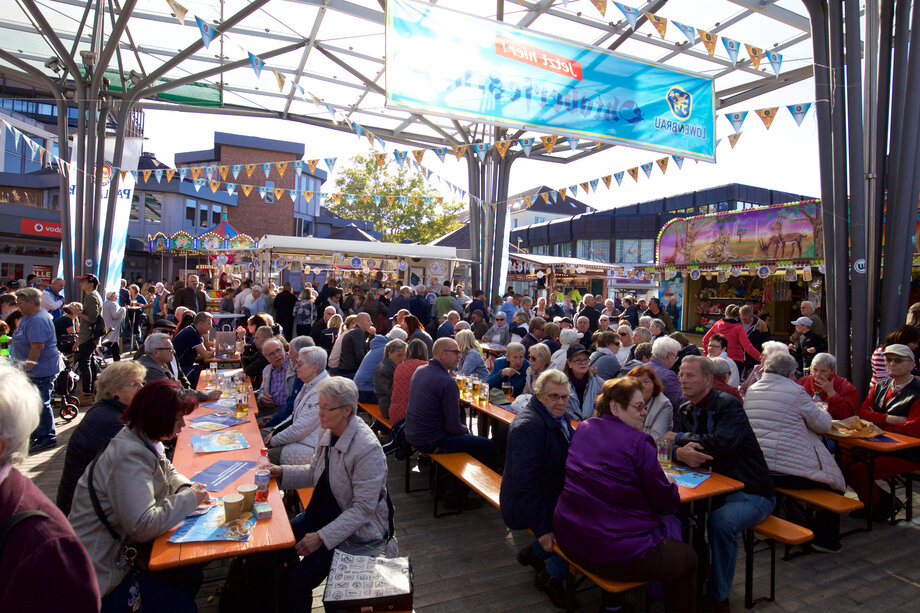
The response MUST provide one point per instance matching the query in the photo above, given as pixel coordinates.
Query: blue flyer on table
(222, 473)
(210, 526)
(218, 441)
(214, 422)
(687, 477)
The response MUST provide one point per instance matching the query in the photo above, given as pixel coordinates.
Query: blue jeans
(172, 591)
(311, 570)
(739, 512)
(555, 565)
(45, 430)
(365, 396)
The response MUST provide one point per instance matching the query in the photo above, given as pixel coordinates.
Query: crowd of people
(743, 405)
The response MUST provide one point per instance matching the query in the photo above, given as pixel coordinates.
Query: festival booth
(770, 257)
(306, 259)
(550, 273)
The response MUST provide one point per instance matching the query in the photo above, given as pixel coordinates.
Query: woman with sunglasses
(624, 351)
(604, 361)
(614, 517)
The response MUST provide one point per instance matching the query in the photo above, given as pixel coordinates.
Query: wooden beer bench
(772, 530)
(374, 411)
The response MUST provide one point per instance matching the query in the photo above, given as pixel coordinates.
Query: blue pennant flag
(679, 160)
(619, 177)
(358, 130)
(235, 169)
(298, 167)
(732, 47)
(198, 184)
(207, 32)
(231, 187)
(262, 192)
(573, 189)
(330, 163)
(554, 196)
(688, 31)
(440, 151)
(209, 172)
(293, 194)
(573, 143)
(593, 184)
(526, 145)
(737, 119)
(377, 199)
(403, 200)
(631, 14)
(776, 60)
(182, 173)
(647, 168)
(350, 198)
(158, 173)
(400, 156)
(481, 149)
(798, 112)
(257, 64)
(267, 168)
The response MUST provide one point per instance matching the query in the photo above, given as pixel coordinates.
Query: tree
(401, 211)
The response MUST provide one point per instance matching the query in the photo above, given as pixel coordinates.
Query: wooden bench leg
(909, 498)
(435, 468)
(748, 569)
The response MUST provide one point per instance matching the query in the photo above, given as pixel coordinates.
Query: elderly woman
(567, 338)
(349, 509)
(511, 368)
(840, 395)
(603, 323)
(639, 335)
(539, 357)
(34, 348)
(499, 333)
(769, 347)
(115, 389)
(537, 448)
(660, 415)
(293, 441)
(624, 353)
(113, 316)
(416, 356)
(584, 385)
(139, 496)
(519, 327)
(394, 354)
(471, 360)
(364, 376)
(604, 361)
(614, 516)
(39, 546)
(788, 426)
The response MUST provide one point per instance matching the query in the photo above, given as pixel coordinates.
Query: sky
(784, 157)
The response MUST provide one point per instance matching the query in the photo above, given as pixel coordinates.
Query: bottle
(262, 476)
(4, 345)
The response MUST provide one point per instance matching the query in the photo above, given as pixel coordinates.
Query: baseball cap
(574, 349)
(899, 349)
(90, 277)
(803, 321)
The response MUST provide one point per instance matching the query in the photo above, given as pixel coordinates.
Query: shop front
(539, 275)
(29, 244)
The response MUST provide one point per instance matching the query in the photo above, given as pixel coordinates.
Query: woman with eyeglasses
(539, 357)
(115, 389)
(660, 415)
(350, 509)
(584, 385)
(537, 447)
(614, 517)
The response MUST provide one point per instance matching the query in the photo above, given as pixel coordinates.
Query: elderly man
(840, 395)
(511, 306)
(277, 377)
(591, 313)
(807, 309)
(721, 373)
(190, 296)
(354, 345)
(400, 302)
(158, 358)
(190, 346)
(583, 325)
(478, 324)
(87, 337)
(655, 311)
(711, 427)
(53, 299)
(433, 422)
(443, 304)
(446, 329)
(657, 328)
(808, 343)
(664, 355)
(316, 332)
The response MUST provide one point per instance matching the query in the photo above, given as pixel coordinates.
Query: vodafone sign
(40, 228)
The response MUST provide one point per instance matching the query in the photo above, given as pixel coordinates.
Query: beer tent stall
(770, 257)
(552, 273)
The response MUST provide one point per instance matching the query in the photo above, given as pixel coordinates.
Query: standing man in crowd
(190, 296)
(284, 309)
(86, 339)
(53, 299)
(591, 313)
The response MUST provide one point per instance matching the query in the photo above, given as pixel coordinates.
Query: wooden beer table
(269, 534)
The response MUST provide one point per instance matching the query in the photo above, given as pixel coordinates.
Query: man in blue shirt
(446, 329)
(52, 299)
(511, 306)
(190, 344)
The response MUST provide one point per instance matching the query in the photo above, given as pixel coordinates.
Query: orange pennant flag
(146, 174)
(370, 137)
(756, 55)
(733, 139)
(502, 147)
(336, 197)
(598, 144)
(278, 192)
(124, 173)
(311, 164)
(250, 168)
(600, 5)
(662, 164)
(223, 171)
(418, 154)
(660, 23)
(247, 189)
(196, 172)
(562, 192)
(381, 159)
(280, 78)
(390, 200)
(634, 173)
(709, 39)
(281, 166)
(179, 11)
(460, 150)
(545, 196)
(307, 196)
(606, 180)
(214, 185)
(767, 116)
(548, 142)
(584, 186)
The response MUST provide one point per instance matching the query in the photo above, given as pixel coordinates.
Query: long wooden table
(269, 534)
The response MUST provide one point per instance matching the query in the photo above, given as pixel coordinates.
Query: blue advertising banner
(448, 63)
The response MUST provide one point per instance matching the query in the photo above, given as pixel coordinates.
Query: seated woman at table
(471, 360)
(539, 357)
(328, 336)
(349, 509)
(660, 416)
(141, 496)
(415, 330)
(537, 447)
(604, 361)
(567, 338)
(499, 333)
(416, 356)
(511, 368)
(840, 395)
(67, 326)
(294, 440)
(519, 326)
(394, 354)
(615, 517)
(893, 405)
(584, 385)
(115, 389)
(551, 336)
(788, 425)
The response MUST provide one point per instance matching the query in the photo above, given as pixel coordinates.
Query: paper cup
(233, 507)
(248, 492)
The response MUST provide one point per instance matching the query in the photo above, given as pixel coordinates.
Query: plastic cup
(248, 492)
(233, 507)
(664, 452)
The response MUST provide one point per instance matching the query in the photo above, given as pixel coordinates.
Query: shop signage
(43, 272)
(40, 228)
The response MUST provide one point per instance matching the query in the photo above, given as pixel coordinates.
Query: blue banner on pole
(443, 62)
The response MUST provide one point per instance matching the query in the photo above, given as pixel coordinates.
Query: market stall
(770, 257)
(540, 274)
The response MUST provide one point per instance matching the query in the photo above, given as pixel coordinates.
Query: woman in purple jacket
(615, 515)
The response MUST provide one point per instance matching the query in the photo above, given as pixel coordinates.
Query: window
(153, 208)
(17, 156)
(302, 227)
(563, 250)
(641, 250)
(191, 213)
(135, 206)
(538, 219)
(597, 250)
(269, 193)
(216, 211)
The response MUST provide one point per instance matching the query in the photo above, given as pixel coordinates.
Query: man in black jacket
(354, 346)
(713, 427)
(284, 309)
(191, 296)
(591, 313)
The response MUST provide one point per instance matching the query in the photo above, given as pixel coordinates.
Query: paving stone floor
(467, 562)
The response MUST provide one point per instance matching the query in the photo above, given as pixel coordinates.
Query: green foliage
(412, 218)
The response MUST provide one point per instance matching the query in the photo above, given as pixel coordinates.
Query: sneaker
(552, 587)
(837, 548)
(36, 446)
(528, 557)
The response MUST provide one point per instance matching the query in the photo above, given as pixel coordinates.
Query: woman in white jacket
(293, 441)
(787, 424)
(566, 337)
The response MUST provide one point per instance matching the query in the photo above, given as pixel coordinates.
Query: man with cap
(807, 344)
(86, 340)
(894, 405)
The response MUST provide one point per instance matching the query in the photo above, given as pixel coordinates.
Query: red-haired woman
(415, 330)
(138, 496)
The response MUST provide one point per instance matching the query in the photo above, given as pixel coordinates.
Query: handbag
(98, 330)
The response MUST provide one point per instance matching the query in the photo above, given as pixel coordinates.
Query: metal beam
(651, 8)
(777, 13)
(306, 54)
